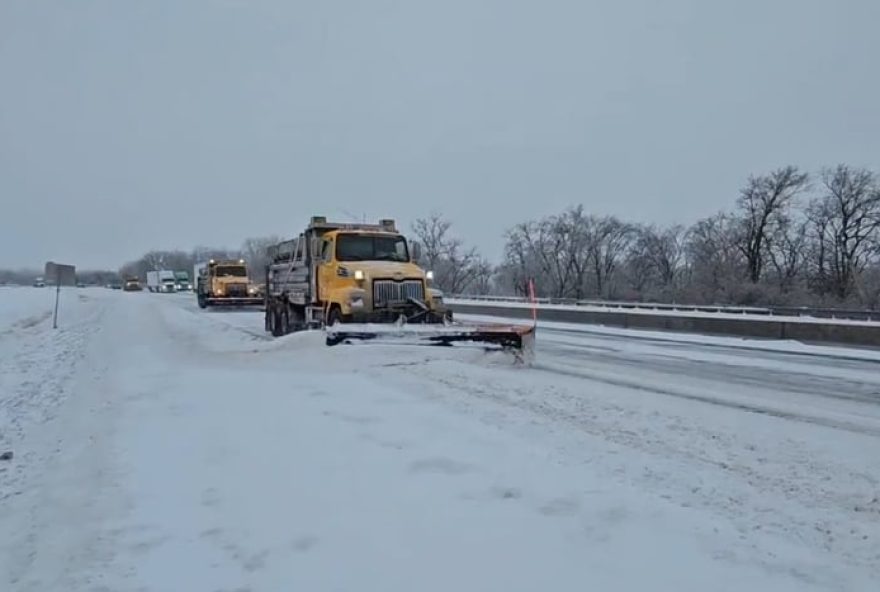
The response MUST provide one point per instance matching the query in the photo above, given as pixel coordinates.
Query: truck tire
(203, 302)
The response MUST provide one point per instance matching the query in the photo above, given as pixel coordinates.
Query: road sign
(62, 275)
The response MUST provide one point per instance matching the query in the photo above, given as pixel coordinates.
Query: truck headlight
(359, 275)
(252, 290)
(430, 275)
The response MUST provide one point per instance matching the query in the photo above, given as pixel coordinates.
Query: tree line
(791, 238)
(252, 250)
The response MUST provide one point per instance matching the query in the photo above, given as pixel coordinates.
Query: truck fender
(347, 299)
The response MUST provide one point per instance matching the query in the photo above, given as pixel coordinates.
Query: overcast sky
(126, 126)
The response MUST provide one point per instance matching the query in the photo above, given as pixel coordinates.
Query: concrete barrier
(808, 332)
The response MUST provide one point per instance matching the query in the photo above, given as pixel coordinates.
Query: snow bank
(193, 452)
(37, 365)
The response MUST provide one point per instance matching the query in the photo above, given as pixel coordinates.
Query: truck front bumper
(234, 300)
(384, 316)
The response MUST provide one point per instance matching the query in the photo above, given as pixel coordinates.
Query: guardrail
(779, 311)
(766, 327)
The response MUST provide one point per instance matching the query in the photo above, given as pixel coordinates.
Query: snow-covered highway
(160, 447)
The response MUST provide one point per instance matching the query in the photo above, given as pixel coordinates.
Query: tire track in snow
(721, 402)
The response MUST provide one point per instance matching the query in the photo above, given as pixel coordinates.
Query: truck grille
(236, 290)
(389, 292)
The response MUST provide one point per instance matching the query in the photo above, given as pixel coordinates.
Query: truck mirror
(416, 251)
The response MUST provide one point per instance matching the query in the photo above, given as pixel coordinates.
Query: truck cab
(182, 281)
(371, 275)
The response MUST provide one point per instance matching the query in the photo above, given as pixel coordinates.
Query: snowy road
(159, 447)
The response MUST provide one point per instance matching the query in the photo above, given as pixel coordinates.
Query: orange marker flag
(534, 302)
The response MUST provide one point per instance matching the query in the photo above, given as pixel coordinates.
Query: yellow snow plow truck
(362, 282)
(225, 283)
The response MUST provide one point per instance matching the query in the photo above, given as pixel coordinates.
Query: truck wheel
(203, 302)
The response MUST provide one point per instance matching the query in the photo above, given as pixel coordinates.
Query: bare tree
(158, 261)
(482, 283)
(201, 254)
(556, 251)
(577, 232)
(845, 222)
(640, 270)
(664, 249)
(154, 261)
(537, 250)
(520, 265)
(254, 251)
(455, 266)
(714, 259)
(764, 205)
(432, 232)
(786, 250)
(607, 246)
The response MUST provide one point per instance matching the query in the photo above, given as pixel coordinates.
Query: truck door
(326, 272)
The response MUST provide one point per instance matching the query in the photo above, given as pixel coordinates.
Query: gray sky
(126, 126)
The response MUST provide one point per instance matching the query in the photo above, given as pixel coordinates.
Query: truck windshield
(230, 271)
(366, 247)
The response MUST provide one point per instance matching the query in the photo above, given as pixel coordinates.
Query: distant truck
(182, 282)
(161, 281)
(225, 283)
(132, 284)
(39, 283)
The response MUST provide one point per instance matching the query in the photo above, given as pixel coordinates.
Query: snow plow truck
(225, 283)
(361, 282)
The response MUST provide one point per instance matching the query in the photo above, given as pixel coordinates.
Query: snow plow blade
(517, 339)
